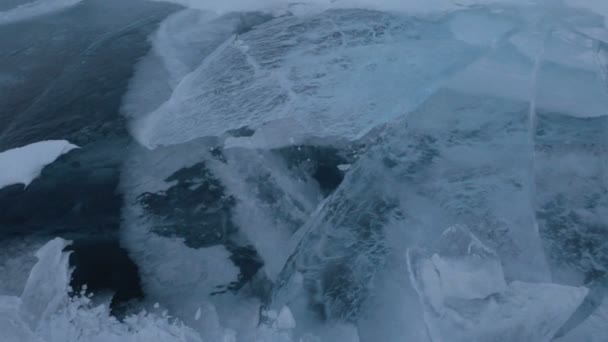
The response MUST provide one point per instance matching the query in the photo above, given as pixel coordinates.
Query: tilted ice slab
(24, 164)
(179, 45)
(457, 159)
(465, 296)
(335, 74)
(34, 9)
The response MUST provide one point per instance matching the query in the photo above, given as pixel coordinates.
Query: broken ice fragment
(46, 288)
(285, 319)
(465, 296)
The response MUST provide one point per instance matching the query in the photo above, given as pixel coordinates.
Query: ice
(596, 6)
(457, 159)
(181, 42)
(45, 288)
(571, 159)
(334, 74)
(592, 328)
(16, 261)
(560, 62)
(490, 120)
(462, 287)
(211, 225)
(46, 313)
(285, 319)
(34, 9)
(24, 164)
(466, 268)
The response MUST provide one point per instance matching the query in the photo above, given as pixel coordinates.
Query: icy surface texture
(572, 214)
(457, 158)
(588, 323)
(206, 224)
(463, 291)
(302, 74)
(490, 118)
(24, 164)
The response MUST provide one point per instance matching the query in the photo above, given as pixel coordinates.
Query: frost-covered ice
(24, 164)
(33, 9)
(334, 74)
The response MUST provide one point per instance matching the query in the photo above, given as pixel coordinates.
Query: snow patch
(24, 164)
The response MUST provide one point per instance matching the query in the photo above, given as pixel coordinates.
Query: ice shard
(465, 296)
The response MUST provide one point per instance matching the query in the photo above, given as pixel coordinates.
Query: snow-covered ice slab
(24, 164)
(335, 74)
(466, 298)
(34, 9)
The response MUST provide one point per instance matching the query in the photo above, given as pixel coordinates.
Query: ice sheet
(334, 74)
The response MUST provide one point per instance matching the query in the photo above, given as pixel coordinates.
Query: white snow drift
(24, 164)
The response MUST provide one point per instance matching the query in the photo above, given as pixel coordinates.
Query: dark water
(63, 77)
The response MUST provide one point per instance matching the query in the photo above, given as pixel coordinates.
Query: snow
(34, 9)
(24, 164)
